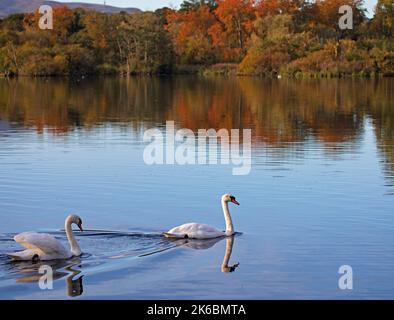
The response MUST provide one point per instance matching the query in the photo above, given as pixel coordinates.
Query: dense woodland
(245, 37)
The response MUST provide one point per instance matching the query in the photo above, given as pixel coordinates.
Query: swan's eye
(232, 198)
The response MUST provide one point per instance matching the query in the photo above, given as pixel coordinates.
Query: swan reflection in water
(61, 268)
(209, 243)
(227, 255)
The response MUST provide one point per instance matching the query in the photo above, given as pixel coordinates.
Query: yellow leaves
(61, 63)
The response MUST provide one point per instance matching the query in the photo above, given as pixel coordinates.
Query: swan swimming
(204, 231)
(43, 246)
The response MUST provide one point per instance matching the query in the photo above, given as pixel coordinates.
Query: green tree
(274, 44)
(143, 43)
(188, 5)
(383, 21)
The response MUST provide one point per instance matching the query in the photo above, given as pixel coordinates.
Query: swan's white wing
(194, 231)
(44, 242)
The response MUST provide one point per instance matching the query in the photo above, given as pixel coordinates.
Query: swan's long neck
(74, 247)
(227, 217)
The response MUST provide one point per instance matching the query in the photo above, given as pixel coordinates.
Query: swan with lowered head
(43, 246)
(203, 231)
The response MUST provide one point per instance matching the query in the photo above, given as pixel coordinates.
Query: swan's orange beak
(235, 201)
(80, 226)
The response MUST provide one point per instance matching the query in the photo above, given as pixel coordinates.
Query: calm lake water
(320, 193)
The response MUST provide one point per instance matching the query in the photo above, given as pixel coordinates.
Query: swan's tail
(175, 235)
(168, 235)
(22, 255)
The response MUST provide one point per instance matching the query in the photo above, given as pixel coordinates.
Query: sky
(154, 4)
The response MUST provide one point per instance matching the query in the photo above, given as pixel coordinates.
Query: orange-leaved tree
(189, 34)
(234, 25)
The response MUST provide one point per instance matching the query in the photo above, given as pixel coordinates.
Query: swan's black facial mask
(79, 224)
(232, 199)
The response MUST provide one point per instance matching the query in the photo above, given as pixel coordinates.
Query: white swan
(203, 231)
(43, 246)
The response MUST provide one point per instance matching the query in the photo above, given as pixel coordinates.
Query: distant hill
(8, 7)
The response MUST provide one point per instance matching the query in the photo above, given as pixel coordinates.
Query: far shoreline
(216, 70)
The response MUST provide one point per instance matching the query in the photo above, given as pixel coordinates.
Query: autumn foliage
(261, 37)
